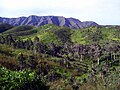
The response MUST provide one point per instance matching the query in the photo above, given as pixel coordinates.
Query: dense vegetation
(55, 58)
(4, 27)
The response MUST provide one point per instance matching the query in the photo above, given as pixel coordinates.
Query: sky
(104, 12)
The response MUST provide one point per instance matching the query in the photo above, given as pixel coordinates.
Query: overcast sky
(101, 11)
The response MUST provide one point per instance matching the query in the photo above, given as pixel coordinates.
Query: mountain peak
(35, 20)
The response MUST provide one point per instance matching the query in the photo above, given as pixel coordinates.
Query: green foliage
(62, 72)
(77, 37)
(18, 29)
(21, 31)
(48, 37)
(63, 34)
(25, 79)
(113, 80)
(4, 27)
(95, 35)
(5, 50)
(62, 57)
(82, 79)
(10, 51)
(54, 34)
(51, 34)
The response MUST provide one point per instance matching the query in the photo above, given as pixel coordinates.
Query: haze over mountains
(42, 20)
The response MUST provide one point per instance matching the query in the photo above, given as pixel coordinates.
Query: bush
(20, 80)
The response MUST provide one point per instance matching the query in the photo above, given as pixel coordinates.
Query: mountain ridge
(37, 21)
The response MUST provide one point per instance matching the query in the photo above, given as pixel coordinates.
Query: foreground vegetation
(58, 58)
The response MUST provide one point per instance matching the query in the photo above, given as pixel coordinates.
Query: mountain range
(37, 21)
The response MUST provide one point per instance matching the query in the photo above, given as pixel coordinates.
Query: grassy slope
(47, 34)
(59, 35)
(99, 35)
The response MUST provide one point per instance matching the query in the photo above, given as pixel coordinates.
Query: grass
(50, 34)
(59, 35)
(77, 37)
(96, 35)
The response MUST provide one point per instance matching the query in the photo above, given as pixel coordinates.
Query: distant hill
(4, 27)
(43, 20)
(59, 35)
(18, 29)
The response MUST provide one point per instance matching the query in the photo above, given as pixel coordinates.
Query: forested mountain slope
(50, 57)
(54, 34)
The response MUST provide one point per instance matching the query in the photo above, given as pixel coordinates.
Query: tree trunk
(81, 59)
(98, 61)
(114, 56)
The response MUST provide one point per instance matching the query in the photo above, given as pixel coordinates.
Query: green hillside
(59, 35)
(50, 57)
(20, 31)
(96, 35)
(47, 34)
(4, 27)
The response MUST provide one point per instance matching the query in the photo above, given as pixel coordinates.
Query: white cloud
(22, 4)
(101, 11)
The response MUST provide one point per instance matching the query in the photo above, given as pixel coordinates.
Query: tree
(28, 44)
(31, 62)
(21, 60)
(2, 40)
(63, 35)
(4, 27)
(91, 54)
(36, 44)
(98, 53)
